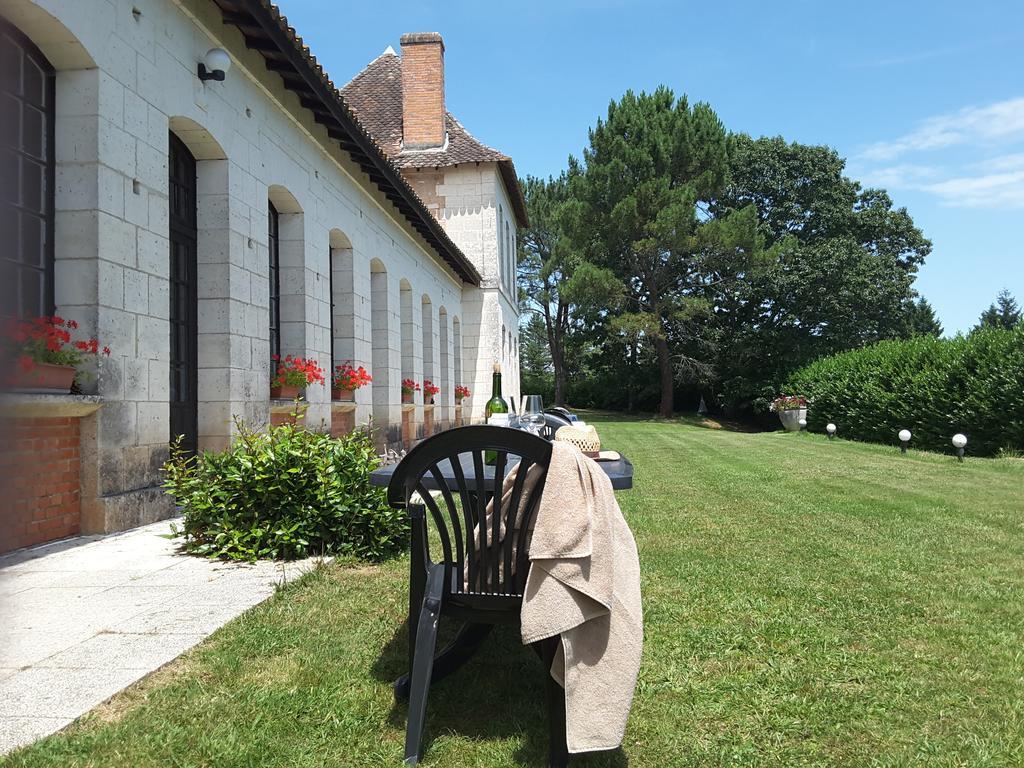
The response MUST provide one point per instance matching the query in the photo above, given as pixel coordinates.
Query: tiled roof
(267, 31)
(375, 95)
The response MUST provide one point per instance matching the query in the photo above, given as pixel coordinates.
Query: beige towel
(584, 584)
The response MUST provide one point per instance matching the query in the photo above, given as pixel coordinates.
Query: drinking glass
(533, 413)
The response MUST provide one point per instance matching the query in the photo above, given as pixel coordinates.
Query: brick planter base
(40, 485)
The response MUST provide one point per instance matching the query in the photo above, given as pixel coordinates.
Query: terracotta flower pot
(407, 398)
(44, 378)
(285, 392)
(346, 395)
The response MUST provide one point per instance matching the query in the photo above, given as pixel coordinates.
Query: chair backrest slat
(439, 522)
(530, 506)
(480, 555)
(493, 551)
(513, 522)
(453, 514)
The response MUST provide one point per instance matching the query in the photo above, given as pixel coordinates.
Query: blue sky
(923, 98)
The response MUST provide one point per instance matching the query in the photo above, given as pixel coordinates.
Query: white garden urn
(790, 418)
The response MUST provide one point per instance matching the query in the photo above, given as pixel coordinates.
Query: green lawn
(807, 603)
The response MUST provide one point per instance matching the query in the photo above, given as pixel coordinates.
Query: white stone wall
(473, 195)
(124, 80)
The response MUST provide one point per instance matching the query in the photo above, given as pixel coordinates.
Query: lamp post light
(803, 424)
(959, 442)
(831, 429)
(214, 65)
(904, 436)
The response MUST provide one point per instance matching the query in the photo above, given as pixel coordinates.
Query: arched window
(26, 176)
(510, 247)
(501, 248)
(273, 240)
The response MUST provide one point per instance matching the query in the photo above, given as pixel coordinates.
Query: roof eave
(266, 31)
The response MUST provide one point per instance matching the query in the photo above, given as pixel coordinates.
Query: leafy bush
(286, 492)
(934, 387)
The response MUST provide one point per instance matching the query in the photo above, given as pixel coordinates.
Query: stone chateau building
(199, 225)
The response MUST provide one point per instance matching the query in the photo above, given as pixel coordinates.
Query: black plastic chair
(454, 463)
(552, 422)
(557, 409)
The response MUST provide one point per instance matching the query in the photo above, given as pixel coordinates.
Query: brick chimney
(422, 90)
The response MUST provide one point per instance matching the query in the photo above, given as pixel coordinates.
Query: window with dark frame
(27, 94)
(275, 284)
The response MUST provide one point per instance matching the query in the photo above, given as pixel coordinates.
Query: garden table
(620, 472)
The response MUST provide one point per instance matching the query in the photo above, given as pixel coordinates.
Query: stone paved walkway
(83, 618)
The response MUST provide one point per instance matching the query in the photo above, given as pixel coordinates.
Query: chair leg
(558, 750)
(423, 662)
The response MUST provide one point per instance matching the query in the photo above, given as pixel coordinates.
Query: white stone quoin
(126, 77)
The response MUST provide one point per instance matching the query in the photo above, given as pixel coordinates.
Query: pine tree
(652, 167)
(1005, 313)
(922, 320)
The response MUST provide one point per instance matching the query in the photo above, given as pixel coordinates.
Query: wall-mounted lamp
(904, 437)
(831, 429)
(959, 442)
(214, 65)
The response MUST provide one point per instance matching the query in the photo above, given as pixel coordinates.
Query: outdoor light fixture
(802, 423)
(831, 429)
(959, 442)
(904, 439)
(214, 65)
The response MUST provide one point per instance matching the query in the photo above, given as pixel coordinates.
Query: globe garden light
(959, 442)
(802, 423)
(831, 429)
(904, 436)
(214, 65)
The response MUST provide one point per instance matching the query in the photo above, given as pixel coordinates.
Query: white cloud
(994, 190)
(1001, 121)
(902, 176)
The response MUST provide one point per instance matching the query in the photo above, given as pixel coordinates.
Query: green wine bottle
(496, 410)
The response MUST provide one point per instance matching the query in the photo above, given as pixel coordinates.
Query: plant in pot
(41, 356)
(346, 380)
(409, 389)
(291, 374)
(791, 409)
(461, 393)
(429, 390)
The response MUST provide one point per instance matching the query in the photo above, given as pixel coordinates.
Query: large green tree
(1003, 314)
(843, 262)
(640, 209)
(557, 284)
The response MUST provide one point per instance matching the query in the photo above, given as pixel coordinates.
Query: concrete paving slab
(85, 617)
(122, 651)
(171, 620)
(18, 731)
(61, 693)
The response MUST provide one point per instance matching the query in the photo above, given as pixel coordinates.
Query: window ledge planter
(343, 395)
(790, 418)
(13, 405)
(284, 392)
(407, 398)
(43, 379)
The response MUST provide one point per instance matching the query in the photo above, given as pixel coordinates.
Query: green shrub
(286, 492)
(934, 387)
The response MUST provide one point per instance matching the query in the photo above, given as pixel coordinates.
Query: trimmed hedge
(934, 387)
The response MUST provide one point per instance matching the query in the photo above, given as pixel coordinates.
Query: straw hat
(584, 438)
